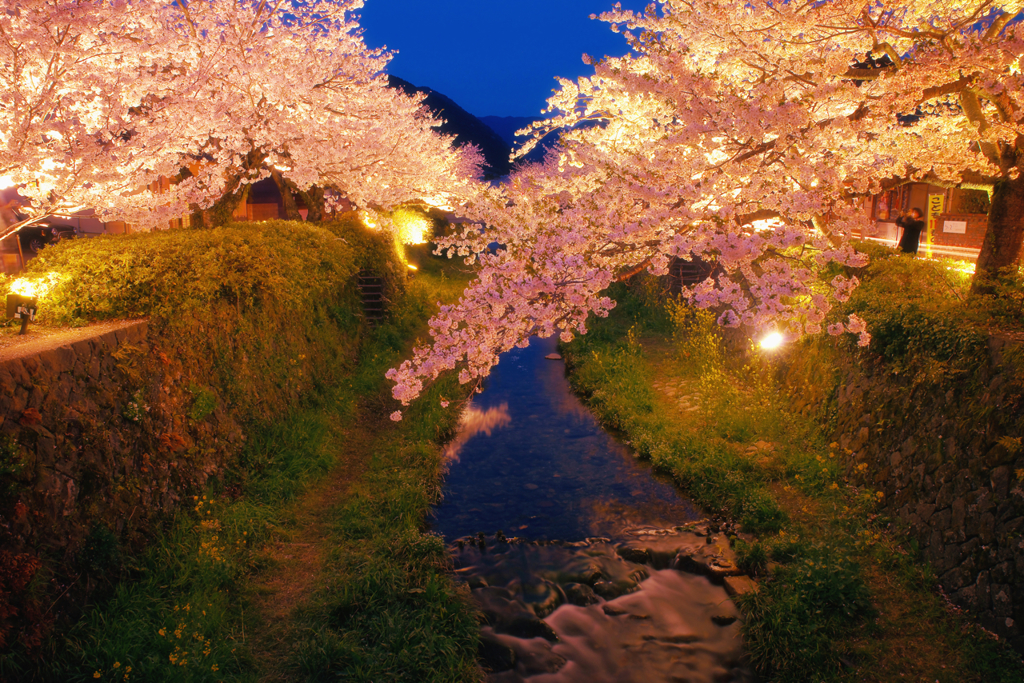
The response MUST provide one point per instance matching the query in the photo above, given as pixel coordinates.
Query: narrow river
(574, 549)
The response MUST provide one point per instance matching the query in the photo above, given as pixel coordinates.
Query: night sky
(493, 57)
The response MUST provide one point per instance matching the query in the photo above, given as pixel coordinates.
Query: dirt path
(297, 557)
(40, 338)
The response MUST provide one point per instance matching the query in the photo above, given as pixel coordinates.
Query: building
(956, 218)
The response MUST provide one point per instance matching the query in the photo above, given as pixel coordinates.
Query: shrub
(265, 311)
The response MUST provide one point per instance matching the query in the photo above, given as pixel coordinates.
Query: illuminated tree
(290, 90)
(103, 97)
(74, 77)
(742, 132)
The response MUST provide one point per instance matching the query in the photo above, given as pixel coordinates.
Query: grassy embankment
(840, 598)
(192, 605)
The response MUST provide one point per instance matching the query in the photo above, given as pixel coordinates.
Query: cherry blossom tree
(742, 132)
(102, 98)
(74, 77)
(289, 90)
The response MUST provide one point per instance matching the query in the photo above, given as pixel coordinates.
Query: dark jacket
(911, 233)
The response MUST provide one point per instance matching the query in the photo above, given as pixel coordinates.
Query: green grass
(390, 609)
(177, 615)
(840, 598)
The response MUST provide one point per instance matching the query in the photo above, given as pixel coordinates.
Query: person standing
(912, 226)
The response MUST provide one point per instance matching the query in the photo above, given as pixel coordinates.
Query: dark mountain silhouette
(506, 127)
(464, 126)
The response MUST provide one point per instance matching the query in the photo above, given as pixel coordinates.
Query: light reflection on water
(476, 421)
(532, 461)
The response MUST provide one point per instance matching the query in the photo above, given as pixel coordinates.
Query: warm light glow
(772, 341)
(439, 202)
(368, 220)
(35, 288)
(963, 267)
(6, 182)
(411, 227)
(411, 266)
(767, 224)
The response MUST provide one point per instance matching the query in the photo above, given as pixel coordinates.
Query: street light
(23, 307)
(23, 298)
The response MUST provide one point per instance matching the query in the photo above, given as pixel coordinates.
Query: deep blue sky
(493, 57)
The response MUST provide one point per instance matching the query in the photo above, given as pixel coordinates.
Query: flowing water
(576, 552)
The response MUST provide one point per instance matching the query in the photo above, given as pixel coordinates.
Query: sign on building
(936, 203)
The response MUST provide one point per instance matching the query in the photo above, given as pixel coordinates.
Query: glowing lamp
(22, 307)
(411, 266)
(368, 220)
(23, 298)
(772, 341)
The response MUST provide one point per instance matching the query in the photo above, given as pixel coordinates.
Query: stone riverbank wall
(101, 439)
(947, 456)
(105, 430)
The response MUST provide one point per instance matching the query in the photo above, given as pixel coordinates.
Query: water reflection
(475, 421)
(530, 460)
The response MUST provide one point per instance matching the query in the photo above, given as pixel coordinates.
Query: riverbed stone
(609, 590)
(495, 655)
(540, 596)
(638, 555)
(736, 586)
(713, 560)
(580, 594)
(537, 658)
(527, 625)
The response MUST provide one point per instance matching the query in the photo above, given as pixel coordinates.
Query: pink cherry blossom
(744, 134)
(104, 100)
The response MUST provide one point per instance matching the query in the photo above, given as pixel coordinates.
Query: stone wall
(947, 458)
(105, 431)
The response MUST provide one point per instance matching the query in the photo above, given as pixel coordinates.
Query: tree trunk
(286, 188)
(314, 199)
(1004, 233)
(235, 192)
(221, 212)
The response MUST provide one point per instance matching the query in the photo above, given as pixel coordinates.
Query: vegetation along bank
(154, 499)
(844, 591)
